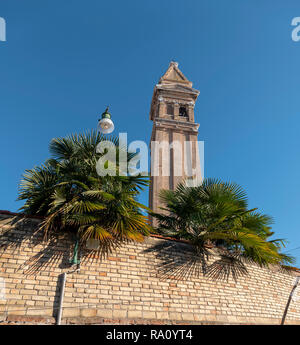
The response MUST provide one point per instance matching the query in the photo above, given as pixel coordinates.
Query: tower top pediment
(173, 75)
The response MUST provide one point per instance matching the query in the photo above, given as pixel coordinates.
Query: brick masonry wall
(154, 282)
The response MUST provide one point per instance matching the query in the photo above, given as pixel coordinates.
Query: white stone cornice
(171, 124)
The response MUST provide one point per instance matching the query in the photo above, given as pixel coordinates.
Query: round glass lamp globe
(105, 126)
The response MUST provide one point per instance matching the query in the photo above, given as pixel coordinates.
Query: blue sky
(64, 61)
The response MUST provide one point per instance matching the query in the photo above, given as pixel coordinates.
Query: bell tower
(174, 145)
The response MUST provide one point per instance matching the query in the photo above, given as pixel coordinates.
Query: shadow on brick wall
(55, 252)
(182, 261)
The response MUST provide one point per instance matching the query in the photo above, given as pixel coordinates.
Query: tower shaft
(174, 143)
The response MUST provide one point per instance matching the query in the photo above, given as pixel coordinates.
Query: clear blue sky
(64, 61)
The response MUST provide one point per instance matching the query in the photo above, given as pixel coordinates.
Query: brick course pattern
(153, 282)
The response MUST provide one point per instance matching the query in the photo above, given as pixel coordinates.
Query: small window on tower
(170, 109)
(183, 111)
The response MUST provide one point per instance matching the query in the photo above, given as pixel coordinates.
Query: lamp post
(105, 126)
(75, 260)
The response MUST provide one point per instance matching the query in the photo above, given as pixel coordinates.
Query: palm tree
(72, 197)
(216, 213)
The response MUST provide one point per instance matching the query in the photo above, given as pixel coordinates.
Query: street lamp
(105, 124)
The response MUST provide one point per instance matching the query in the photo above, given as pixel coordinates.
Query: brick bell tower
(174, 145)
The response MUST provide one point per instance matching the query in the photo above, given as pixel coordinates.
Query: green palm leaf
(69, 193)
(217, 213)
